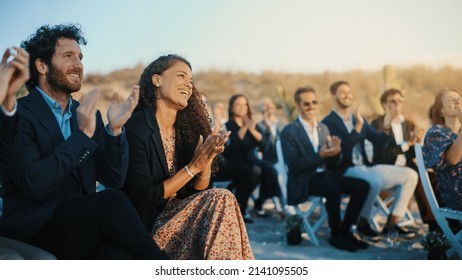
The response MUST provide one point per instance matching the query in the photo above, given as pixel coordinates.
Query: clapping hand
(86, 112)
(121, 110)
(13, 75)
(332, 147)
(207, 150)
(358, 116)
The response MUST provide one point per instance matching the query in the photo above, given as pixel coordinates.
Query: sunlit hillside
(420, 84)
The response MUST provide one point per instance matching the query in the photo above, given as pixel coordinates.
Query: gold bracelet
(188, 171)
(203, 178)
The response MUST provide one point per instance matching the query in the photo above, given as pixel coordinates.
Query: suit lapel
(322, 135)
(42, 111)
(339, 120)
(155, 138)
(301, 134)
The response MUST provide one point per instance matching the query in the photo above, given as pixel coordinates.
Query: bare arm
(200, 166)
(453, 154)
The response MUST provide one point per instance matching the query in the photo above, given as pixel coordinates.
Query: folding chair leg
(308, 229)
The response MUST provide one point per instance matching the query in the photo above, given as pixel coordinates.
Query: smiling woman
(171, 166)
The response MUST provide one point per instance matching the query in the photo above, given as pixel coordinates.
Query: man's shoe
(402, 232)
(356, 241)
(367, 232)
(342, 243)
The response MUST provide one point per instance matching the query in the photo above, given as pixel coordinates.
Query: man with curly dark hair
(171, 165)
(61, 149)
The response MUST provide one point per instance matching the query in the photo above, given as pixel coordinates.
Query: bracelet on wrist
(188, 171)
(203, 178)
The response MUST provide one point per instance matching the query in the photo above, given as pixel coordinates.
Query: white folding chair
(440, 213)
(313, 203)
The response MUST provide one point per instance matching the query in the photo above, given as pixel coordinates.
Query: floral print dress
(205, 226)
(437, 141)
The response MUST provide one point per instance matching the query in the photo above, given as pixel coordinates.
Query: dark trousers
(269, 183)
(104, 225)
(332, 188)
(245, 177)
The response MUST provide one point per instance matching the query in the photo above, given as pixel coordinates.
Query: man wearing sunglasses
(310, 152)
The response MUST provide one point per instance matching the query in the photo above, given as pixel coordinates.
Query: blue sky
(251, 35)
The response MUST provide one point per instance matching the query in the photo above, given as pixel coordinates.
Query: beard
(341, 104)
(57, 80)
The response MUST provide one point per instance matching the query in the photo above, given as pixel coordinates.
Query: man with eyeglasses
(353, 129)
(310, 152)
(404, 134)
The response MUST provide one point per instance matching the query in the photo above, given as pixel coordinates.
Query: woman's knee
(219, 193)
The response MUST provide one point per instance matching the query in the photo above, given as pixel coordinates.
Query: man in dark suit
(61, 149)
(309, 152)
(353, 129)
(404, 134)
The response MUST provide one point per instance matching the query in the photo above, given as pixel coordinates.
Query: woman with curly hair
(170, 169)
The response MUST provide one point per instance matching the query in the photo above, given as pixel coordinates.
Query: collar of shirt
(398, 130)
(62, 119)
(348, 122)
(312, 132)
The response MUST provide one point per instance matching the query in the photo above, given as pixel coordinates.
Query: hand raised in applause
(207, 150)
(86, 112)
(121, 110)
(358, 117)
(332, 147)
(248, 122)
(13, 75)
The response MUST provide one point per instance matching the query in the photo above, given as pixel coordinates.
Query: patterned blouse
(437, 141)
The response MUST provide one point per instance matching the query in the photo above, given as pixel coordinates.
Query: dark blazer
(148, 167)
(388, 154)
(350, 139)
(240, 150)
(7, 128)
(268, 141)
(301, 159)
(47, 169)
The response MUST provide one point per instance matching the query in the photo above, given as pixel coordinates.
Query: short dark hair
(336, 85)
(301, 90)
(42, 45)
(390, 92)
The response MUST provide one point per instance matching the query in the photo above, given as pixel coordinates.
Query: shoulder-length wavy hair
(231, 103)
(436, 113)
(190, 122)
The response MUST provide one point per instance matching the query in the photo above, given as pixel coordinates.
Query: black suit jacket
(350, 139)
(7, 128)
(301, 159)
(389, 153)
(148, 167)
(268, 141)
(48, 169)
